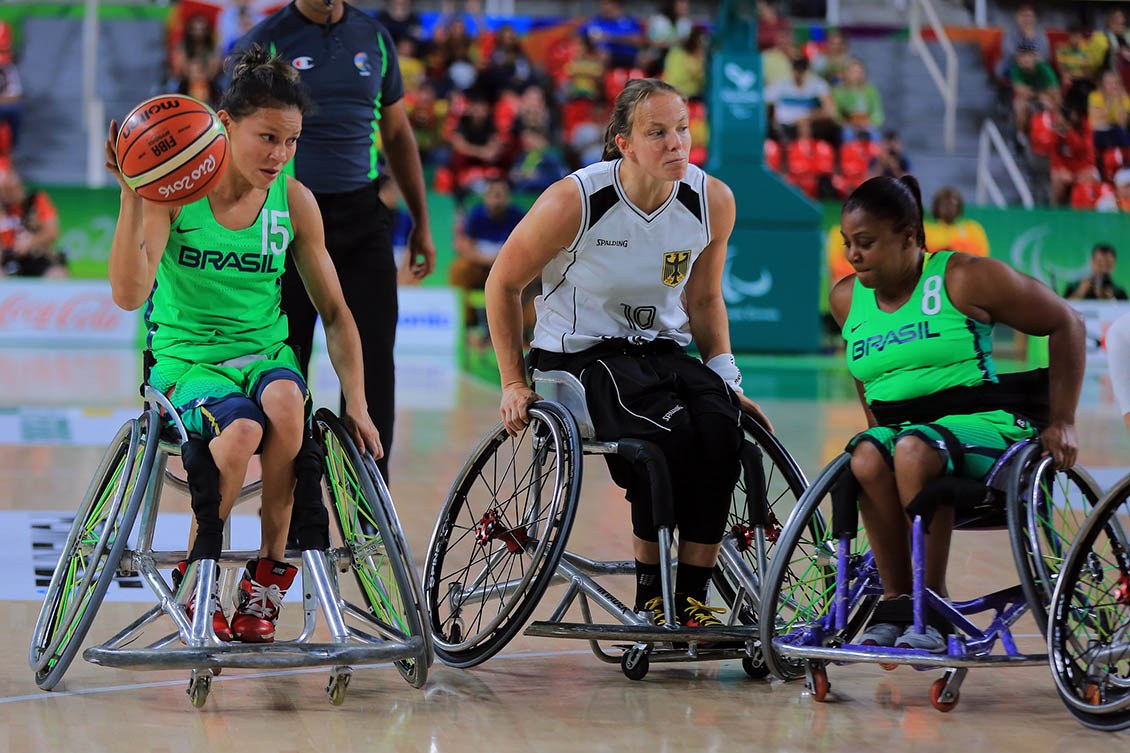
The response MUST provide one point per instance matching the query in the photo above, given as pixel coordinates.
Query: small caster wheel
(339, 684)
(889, 667)
(754, 666)
(946, 703)
(817, 682)
(635, 663)
(198, 687)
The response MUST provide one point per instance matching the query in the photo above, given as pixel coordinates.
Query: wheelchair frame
(565, 404)
(372, 637)
(825, 635)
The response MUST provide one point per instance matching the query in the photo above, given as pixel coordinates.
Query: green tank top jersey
(217, 294)
(925, 346)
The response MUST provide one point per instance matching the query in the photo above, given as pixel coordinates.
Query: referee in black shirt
(348, 61)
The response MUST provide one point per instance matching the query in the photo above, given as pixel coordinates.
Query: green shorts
(209, 397)
(970, 443)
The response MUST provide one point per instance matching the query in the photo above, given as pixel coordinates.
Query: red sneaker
(219, 621)
(260, 597)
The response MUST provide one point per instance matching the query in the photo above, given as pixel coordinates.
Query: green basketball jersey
(925, 346)
(217, 294)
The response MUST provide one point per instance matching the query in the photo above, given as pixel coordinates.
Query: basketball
(171, 149)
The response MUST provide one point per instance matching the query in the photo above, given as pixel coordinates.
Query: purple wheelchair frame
(971, 646)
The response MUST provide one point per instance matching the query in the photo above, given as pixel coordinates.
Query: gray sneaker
(931, 640)
(880, 634)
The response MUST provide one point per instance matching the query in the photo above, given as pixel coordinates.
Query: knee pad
(311, 522)
(204, 491)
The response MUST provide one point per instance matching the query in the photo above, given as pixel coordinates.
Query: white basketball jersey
(624, 273)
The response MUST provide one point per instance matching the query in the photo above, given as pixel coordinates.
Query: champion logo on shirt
(361, 62)
(303, 63)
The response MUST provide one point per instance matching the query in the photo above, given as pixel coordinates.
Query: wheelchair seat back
(564, 388)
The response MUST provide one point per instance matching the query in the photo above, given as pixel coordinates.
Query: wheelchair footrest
(640, 633)
(853, 654)
(256, 656)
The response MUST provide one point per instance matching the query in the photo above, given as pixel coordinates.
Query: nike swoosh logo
(189, 229)
(853, 329)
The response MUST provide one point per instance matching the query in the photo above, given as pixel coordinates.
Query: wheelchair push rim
(381, 564)
(94, 546)
(497, 539)
(1046, 510)
(800, 588)
(784, 483)
(1089, 633)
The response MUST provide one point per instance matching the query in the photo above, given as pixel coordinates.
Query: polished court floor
(58, 409)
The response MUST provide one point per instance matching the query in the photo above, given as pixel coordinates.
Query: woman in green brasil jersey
(208, 274)
(918, 325)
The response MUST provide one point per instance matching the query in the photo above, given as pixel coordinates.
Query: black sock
(691, 581)
(648, 583)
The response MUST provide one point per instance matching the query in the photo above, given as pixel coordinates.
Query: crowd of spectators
(1070, 104)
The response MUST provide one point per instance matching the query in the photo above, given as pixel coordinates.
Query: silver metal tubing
(227, 558)
(665, 571)
(202, 633)
(597, 651)
(599, 448)
(168, 601)
(128, 632)
(597, 567)
(170, 412)
(151, 505)
(315, 564)
(867, 655)
(737, 569)
(566, 601)
(278, 655)
(643, 633)
(603, 598)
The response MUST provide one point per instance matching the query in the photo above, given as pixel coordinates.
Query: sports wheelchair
(104, 543)
(1089, 626)
(500, 543)
(808, 621)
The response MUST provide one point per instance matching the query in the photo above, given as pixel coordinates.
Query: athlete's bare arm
(989, 290)
(706, 309)
(839, 301)
(551, 225)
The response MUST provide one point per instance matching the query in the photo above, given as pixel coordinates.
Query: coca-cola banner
(39, 312)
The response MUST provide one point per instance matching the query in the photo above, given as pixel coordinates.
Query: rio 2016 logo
(187, 182)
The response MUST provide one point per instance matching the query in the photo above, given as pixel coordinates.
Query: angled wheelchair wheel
(1046, 509)
(500, 535)
(367, 522)
(800, 585)
(1089, 634)
(769, 485)
(93, 549)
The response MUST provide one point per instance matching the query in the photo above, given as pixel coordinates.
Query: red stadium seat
(855, 159)
(1086, 194)
(808, 161)
(773, 155)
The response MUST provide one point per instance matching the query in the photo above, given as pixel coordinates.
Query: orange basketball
(172, 149)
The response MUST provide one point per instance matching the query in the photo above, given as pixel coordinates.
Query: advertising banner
(56, 312)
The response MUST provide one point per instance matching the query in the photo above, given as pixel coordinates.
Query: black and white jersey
(623, 275)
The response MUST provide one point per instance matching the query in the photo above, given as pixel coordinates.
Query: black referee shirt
(351, 71)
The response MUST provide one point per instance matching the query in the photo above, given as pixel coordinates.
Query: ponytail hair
(896, 200)
(261, 79)
(624, 111)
